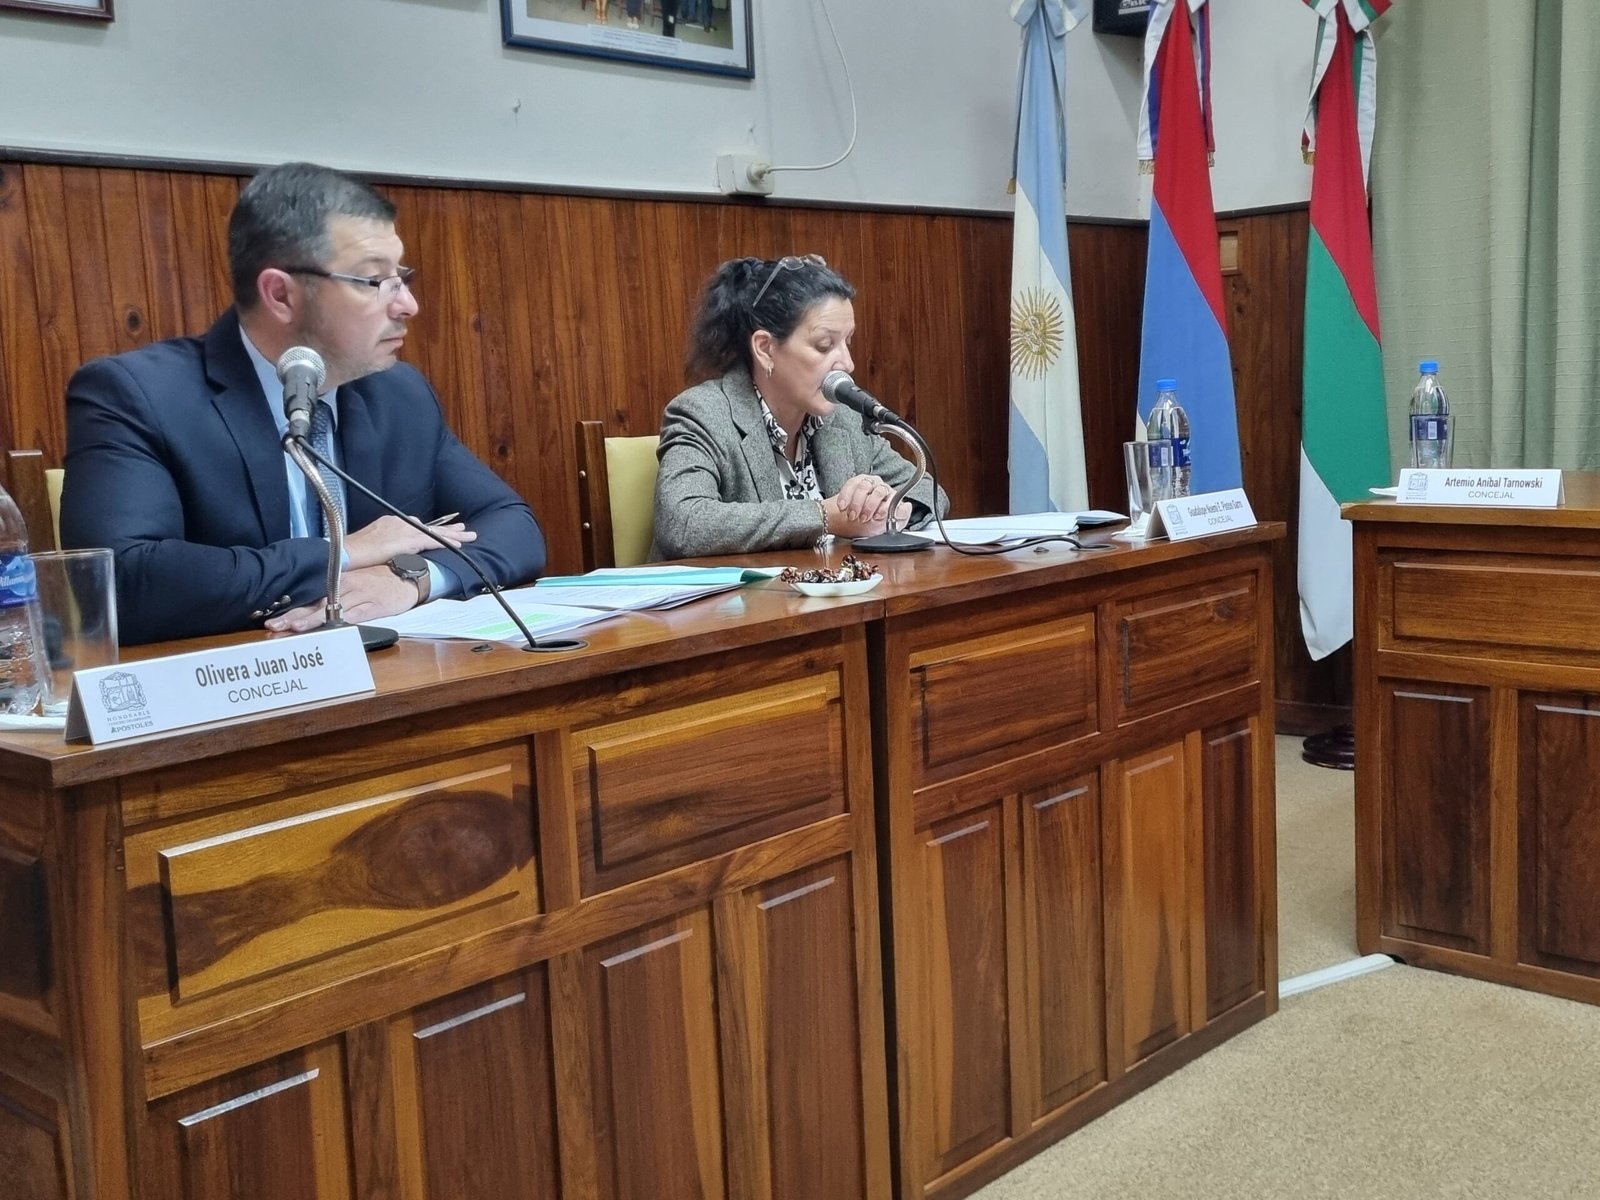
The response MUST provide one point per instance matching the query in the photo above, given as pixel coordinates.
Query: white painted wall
(424, 87)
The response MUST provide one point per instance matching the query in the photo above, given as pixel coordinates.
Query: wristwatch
(413, 567)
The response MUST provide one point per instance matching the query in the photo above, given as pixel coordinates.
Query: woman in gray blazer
(755, 458)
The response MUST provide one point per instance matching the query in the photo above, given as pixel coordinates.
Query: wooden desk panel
(1477, 674)
(639, 955)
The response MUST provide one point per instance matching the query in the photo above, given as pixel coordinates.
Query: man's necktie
(322, 443)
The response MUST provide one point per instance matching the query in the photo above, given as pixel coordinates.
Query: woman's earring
(769, 370)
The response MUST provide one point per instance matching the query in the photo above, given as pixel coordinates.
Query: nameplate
(179, 690)
(1488, 488)
(1196, 516)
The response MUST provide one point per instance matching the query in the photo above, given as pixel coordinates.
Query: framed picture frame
(89, 10)
(713, 36)
(1130, 17)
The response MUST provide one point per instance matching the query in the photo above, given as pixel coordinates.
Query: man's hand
(375, 544)
(861, 507)
(366, 594)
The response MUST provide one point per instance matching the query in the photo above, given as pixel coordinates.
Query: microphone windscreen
(832, 382)
(296, 356)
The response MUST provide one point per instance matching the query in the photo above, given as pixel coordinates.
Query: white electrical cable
(849, 85)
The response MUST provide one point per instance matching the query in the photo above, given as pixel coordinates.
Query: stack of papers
(482, 620)
(988, 530)
(565, 602)
(635, 588)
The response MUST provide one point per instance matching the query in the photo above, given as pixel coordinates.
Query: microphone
(302, 372)
(838, 387)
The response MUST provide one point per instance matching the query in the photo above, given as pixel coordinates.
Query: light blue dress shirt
(441, 583)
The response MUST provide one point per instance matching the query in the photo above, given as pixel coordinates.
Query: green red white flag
(1345, 443)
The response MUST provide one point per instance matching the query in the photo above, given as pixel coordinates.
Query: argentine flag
(1046, 439)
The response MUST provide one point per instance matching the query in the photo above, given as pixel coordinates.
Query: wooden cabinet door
(649, 1001)
(1229, 758)
(958, 1000)
(792, 1048)
(1147, 860)
(1435, 814)
(1559, 833)
(1063, 945)
(273, 1132)
(455, 1100)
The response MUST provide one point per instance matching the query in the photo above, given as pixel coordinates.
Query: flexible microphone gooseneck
(548, 646)
(838, 387)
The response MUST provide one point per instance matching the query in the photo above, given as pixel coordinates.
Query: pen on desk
(444, 520)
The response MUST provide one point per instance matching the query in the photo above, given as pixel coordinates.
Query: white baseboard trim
(1338, 973)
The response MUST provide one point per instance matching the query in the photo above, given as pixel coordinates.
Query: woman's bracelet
(822, 511)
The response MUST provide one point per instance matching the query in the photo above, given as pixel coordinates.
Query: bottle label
(17, 582)
(1160, 453)
(1429, 428)
(1180, 452)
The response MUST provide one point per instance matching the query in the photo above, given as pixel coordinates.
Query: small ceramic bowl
(852, 587)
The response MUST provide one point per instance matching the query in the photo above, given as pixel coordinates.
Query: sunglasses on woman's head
(789, 262)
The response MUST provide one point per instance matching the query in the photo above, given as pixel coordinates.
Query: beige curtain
(1486, 222)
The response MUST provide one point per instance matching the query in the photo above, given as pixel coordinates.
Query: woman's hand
(861, 507)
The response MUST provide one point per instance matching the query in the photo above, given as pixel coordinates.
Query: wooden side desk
(1077, 816)
(1478, 731)
(607, 924)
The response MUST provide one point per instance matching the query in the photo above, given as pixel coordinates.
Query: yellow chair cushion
(631, 478)
(52, 487)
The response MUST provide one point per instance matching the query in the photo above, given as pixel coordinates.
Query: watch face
(409, 566)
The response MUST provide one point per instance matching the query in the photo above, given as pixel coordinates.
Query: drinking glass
(78, 609)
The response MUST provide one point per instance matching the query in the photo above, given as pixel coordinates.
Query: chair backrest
(37, 491)
(616, 496)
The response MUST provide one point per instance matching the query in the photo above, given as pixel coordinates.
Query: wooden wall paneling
(124, 222)
(500, 326)
(55, 305)
(1265, 302)
(195, 267)
(983, 388)
(163, 312)
(90, 262)
(937, 401)
(1107, 263)
(29, 416)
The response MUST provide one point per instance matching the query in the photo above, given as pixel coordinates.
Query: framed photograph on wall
(92, 10)
(692, 35)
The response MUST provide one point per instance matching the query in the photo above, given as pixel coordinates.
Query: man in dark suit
(174, 456)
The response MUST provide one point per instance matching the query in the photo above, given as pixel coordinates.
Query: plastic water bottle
(1432, 437)
(1168, 422)
(21, 639)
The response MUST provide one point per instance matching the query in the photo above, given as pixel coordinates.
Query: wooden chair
(616, 496)
(37, 491)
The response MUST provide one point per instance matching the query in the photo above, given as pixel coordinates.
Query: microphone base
(891, 543)
(373, 637)
(377, 637)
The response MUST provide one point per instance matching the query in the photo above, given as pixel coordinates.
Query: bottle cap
(1428, 367)
(1166, 385)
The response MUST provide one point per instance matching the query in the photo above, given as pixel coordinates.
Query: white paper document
(482, 620)
(981, 531)
(658, 586)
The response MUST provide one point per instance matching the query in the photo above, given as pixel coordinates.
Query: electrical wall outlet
(743, 175)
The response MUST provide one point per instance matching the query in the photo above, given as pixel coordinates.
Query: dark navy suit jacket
(173, 462)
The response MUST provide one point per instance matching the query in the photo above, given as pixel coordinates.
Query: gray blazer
(719, 491)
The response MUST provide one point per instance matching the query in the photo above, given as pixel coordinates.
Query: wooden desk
(1477, 693)
(1076, 790)
(607, 924)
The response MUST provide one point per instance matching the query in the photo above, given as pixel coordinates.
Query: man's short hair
(281, 220)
